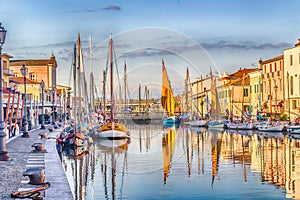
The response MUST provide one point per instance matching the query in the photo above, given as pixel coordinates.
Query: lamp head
(42, 84)
(24, 70)
(2, 35)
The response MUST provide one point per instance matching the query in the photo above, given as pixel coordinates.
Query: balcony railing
(8, 72)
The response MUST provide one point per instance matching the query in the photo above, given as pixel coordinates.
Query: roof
(240, 72)
(20, 80)
(35, 62)
(271, 60)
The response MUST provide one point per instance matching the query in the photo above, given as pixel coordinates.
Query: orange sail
(167, 98)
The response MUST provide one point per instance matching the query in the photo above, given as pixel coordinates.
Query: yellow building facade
(292, 79)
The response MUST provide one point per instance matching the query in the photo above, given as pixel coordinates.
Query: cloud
(112, 7)
(81, 11)
(245, 45)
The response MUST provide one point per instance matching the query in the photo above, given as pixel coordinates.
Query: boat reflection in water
(184, 163)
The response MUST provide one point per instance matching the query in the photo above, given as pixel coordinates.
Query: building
(38, 70)
(272, 85)
(255, 91)
(6, 71)
(234, 93)
(292, 77)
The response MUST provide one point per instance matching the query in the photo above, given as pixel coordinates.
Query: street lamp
(275, 89)
(42, 85)
(53, 118)
(24, 71)
(3, 152)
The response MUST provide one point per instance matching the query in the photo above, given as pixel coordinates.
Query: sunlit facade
(292, 77)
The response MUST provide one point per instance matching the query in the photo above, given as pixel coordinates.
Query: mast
(125, 86)
(139, 97)
(111, 79)
(243, 93)
(79, 79)
(92, 96)
(104, 94)
(74, 85)
(187, 91)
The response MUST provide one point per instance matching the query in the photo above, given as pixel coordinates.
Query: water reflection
(170, 162)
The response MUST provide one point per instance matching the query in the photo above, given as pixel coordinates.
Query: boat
(199, 123)
(293, 127)
(112, 129)
(215, 122)
(271, 127)
(167, 98)
(76, 134)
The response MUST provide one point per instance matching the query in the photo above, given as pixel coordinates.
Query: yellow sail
(167, 98)
(168, 146)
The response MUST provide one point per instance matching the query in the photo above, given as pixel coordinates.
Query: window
(291, 59)
(280, 85)
(270, 67)
(246, 92)
(275, 67)
(32, 76)
(291, 85)
(265, 69)
(294, 104)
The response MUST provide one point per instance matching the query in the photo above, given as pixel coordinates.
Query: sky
(194, 34)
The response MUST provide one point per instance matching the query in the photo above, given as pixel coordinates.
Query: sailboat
(167, 98)
(112, 129)
(215, 122)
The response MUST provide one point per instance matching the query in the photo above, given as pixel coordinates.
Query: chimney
(298, 44)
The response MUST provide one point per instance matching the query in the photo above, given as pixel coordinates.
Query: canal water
(185, 163)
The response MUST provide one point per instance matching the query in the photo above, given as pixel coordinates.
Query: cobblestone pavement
(19, 150)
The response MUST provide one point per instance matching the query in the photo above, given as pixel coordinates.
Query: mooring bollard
(36, 175)
(43, 135)
(51, 129)
(38, 148)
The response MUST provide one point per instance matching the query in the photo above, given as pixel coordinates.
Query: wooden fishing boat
(167, 98)
(112, 129)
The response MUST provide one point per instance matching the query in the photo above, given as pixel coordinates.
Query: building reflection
(272, 158)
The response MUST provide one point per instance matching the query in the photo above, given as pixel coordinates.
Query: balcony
(8, 72)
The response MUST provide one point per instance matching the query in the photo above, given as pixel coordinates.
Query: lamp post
(3, 152)
(53, 95)
(275, 89)
(42, 85)
(24, 71)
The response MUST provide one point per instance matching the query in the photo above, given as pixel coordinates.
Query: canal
(184, 163)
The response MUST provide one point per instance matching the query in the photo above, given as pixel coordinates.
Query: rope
(30, 193)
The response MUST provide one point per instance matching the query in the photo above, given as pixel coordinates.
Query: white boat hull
(293, 128)
(241, 126)
(215, 125)
(112, 134)
(270, 128)
(198, 123)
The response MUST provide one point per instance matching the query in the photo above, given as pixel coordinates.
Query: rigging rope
(30, 193)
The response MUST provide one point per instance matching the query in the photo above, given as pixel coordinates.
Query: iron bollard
(42, 135)
(51, 129)
(36, 175)
(38, 148)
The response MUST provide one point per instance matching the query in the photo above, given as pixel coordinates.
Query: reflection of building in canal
(274, 157)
